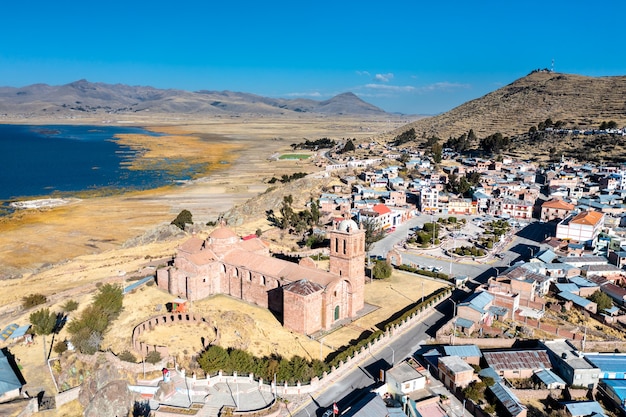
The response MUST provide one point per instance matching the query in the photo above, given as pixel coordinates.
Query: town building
(583, 227)
(571, 365)
(454, 372)
(555, 209)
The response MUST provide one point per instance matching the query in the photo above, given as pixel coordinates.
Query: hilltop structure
(306, 298)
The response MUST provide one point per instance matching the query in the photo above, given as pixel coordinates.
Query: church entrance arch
(336, 313)
(394, 258)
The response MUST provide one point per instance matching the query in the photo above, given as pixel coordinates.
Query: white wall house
(583, 227)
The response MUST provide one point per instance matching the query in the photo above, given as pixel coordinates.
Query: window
(337, 313)
(263, 281)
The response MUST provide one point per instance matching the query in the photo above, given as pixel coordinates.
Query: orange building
(555, 209)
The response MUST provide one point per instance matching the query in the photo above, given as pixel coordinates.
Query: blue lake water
(38, 161)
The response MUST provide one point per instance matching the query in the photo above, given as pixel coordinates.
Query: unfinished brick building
(306, 298)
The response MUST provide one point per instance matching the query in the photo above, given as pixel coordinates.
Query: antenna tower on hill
(552, 67)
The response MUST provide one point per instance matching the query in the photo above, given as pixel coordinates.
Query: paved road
(520, 246)
(359, 381)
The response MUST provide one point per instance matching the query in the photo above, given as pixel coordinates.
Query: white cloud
(385, 78)
(363, 73)
(309, 94)
(443, 86)
(386, 87)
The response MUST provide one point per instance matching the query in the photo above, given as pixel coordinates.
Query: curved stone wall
(167, 320)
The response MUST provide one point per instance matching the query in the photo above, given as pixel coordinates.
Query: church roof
(303, 287)
(222, 232)
(202, 257)
(192, 245)
(286, 270)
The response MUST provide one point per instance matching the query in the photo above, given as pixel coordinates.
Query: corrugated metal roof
(576, 299)
(8, 380)
(608, 362)
(618, 386)
(549, 378)
(463, 351)
(571, 288)
(507, 398)
(584, 408)
(518, 359)
(462, 322)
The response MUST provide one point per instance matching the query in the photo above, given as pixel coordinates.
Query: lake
(39, 161)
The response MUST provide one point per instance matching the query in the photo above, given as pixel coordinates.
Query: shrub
(33, 300)
(184, 217)
(70, 305)
(60, 347)
(126, 356)
(153, 357)
(382, 270)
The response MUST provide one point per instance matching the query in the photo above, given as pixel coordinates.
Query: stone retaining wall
(166, 319)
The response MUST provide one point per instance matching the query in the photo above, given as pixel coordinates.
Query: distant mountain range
(100, 98)
(579, 101)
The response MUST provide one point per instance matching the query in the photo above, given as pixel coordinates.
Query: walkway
(245, 396)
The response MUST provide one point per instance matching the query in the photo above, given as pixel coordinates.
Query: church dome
(348, 225)
(222, 232)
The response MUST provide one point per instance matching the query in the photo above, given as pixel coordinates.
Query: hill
(99, 98)
(579, 101)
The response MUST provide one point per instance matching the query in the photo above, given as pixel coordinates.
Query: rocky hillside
(580, 101)
(84, 97)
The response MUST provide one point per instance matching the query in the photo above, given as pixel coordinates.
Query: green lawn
(295, 156)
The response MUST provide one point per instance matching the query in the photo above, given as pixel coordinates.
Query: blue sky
(410, 57)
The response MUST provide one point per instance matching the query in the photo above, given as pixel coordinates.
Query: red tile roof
(558, 204)
(588, 217)
(381, 209)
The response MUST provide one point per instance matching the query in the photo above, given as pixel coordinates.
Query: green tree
(153, 357)
(109, 300)
(602, 300)
(349, 147)
(373, 233)
(475, 391)
(407, 136)
(43, 322)
(214, 359)
(494, 143)
(286, 211)
(315, 212)
(471, 136)
(437, 151)
(183, 218)
(382, 270)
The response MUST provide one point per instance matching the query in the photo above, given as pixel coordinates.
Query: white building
(583, 227)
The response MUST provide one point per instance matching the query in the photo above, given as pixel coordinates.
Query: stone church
(307, 299)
